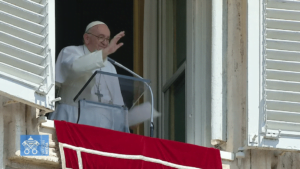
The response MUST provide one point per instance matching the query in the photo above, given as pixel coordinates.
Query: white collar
(86, 50)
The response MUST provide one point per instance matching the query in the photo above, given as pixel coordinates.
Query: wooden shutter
(27, 51)
(274, 74)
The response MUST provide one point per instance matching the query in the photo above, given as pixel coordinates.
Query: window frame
(254, 71)
(197, 69)
(168, 78)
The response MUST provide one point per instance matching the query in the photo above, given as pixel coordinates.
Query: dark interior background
(72, 19)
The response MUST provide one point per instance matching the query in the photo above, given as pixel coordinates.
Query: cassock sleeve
(73, 65)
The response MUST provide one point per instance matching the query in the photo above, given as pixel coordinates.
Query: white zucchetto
(94, 23)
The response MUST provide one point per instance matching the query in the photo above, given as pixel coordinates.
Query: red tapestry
(103, 148)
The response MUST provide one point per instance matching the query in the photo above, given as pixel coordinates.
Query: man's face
(97, 37)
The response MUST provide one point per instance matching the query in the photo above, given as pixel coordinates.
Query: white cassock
(74, 66)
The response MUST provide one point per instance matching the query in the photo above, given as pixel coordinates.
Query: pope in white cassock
(76, 64)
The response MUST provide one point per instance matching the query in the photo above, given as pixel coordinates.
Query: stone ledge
(52, 144)
(50, 161)
(48, 124)
(227, 155)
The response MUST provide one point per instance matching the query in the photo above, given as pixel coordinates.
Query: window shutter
(279, 117)
(27, 51)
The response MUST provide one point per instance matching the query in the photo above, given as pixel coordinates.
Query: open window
(184, 71)
(173, 87)
(73, 17)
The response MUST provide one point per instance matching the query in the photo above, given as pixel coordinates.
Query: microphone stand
(130, 71)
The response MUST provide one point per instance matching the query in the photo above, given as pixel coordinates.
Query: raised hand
(113, 45)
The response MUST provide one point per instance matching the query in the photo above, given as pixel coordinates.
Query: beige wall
(19, 119)
(236, 74)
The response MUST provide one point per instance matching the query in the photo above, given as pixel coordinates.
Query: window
(174, 71)
(184, 71)
(176, 108)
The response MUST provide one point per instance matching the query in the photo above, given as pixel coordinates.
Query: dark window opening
(72, 17)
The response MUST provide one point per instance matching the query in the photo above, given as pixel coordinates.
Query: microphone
(152, 100)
